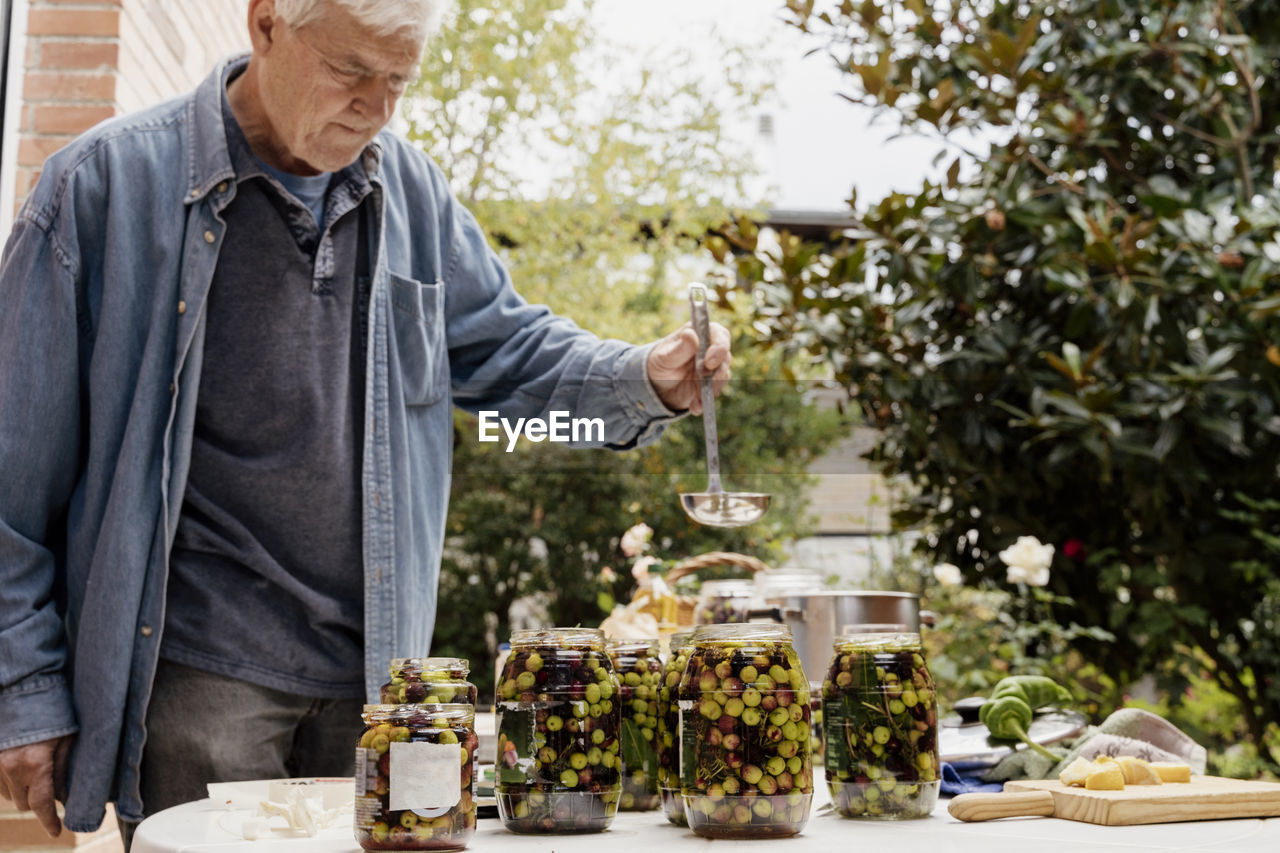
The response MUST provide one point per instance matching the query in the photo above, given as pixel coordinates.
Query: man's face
(331, 85)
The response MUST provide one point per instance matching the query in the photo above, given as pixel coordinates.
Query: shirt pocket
(418, 322)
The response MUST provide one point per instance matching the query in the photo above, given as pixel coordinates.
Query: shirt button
(171, 388)
(222, 187)
(146, 631)
(182, 307)
(208, 237)
(640, 406)
(195, 193)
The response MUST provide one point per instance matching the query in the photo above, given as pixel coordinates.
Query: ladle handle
(702, 326)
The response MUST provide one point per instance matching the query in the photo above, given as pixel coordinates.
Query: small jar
(724, 601)
(747, 769)
(880, 717)
(669, 728)
(415, 777)
(559, 755)
(429, 680)
(639, 669)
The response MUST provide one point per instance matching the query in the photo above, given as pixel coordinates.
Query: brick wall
(87, 60)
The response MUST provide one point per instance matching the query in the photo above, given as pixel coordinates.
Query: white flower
(640, 570)
(608, 575)
(636, 540)
(948, 575)
(1031, 577)
(1028, 561)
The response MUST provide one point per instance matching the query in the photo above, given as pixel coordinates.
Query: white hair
(385, 17)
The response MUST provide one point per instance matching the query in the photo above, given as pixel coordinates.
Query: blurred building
(69, 64)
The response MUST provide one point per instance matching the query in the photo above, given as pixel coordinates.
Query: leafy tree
(598, 185)
(1075, 336)
(598, 199)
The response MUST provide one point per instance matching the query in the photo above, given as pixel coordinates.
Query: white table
(206, 827)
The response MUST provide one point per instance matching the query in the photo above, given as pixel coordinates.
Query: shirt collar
(215, 154)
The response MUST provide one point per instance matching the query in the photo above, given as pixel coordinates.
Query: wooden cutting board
(1203, 798)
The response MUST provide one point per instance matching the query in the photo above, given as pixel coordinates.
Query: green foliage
(597, 186)
(984, 633)
(1075, 336)
(1210, 714)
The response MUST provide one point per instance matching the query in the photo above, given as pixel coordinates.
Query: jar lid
(634, 647)
(421, 715)
(569, 638)
(680, 640)
(890, 637)
(735, 632)
(453, 666)
(727, 587)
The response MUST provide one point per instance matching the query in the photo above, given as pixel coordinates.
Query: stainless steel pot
(817, 618)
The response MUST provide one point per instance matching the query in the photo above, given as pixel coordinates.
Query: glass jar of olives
(746, 764)
(668, 739)
(415, 777)
(724, 601)
(557, 720)
(639, 669)
(429, 680)
(880, 715)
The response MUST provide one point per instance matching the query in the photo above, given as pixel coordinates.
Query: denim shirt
(102, 294)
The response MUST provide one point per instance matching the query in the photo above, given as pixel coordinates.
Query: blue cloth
(102, 322)
(308, 189)
(966, 781)
(264, 573)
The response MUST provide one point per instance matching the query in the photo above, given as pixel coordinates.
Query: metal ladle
(715, 507)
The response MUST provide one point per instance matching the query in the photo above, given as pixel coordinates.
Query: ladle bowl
(715, 507)
(724, 509)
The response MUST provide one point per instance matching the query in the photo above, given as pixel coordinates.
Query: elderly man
(231, 330)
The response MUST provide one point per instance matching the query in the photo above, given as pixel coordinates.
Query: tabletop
(207, 827)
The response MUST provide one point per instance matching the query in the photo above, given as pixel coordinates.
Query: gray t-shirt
(266, 580)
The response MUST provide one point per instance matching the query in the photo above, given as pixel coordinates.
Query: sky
(823, 144)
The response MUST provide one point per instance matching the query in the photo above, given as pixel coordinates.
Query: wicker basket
(685, 604)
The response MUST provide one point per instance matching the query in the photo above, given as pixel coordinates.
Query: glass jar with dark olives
(880, 716)
(558, 746)
(415, 777)
(429, 680)
(668, 739)
(724, 601)
(638, 665)
(746, 763)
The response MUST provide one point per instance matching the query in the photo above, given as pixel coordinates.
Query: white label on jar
(682, 705)
(366, 771)
(424, 775)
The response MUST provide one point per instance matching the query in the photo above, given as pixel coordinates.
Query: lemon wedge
(1138, 771)
(1107, 777)
(1075, 772)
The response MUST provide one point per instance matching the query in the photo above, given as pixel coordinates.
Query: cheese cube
(1172, 771)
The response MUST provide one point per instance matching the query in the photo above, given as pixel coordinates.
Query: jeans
(203, 727)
